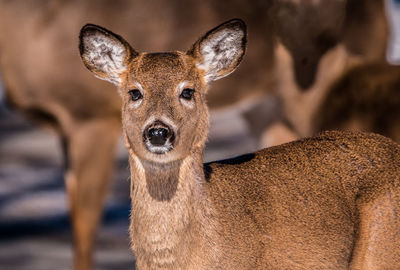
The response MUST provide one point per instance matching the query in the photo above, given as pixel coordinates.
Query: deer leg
(90, 153)
(378, 235)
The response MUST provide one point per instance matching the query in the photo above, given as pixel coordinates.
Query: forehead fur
(161, 67)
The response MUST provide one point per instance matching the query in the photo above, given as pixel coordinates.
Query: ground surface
(34, 227)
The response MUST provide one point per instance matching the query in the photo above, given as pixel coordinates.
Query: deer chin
(159, 150)
(159, 154)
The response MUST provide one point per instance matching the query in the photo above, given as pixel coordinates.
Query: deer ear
(220, 50)
(104, 53)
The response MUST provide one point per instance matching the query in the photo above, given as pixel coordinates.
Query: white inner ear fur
(219, 52)
(106, 55)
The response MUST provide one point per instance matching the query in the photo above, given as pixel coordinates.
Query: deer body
(328, 202)
(302, 205)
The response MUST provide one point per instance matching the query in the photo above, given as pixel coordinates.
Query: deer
(366, 98)
(76, 106)
(68, 101)
(354, 88)
(316, 43)
(331, 201)
(322, 49)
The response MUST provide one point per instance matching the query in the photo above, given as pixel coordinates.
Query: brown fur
(327, 202)
(366, 98)
(57, 92)
(310, 29)
(306, 211)
(162, 181)
(322, 40)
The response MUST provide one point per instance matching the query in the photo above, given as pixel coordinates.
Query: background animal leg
(90, 153)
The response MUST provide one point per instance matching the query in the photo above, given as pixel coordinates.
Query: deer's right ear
(220, 51)
(104, 53)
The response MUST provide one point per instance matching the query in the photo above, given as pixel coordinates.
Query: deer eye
(187, 93)
(135, 94)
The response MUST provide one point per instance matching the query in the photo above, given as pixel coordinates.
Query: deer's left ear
(104, 53)
(220, 50)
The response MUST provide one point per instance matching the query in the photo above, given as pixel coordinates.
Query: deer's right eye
(135, 94)
(187, 93)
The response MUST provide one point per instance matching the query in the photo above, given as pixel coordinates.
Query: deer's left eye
(187, 94)
(135, 94)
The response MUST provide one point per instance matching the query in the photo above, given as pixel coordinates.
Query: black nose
(158, 136)
(158, 133)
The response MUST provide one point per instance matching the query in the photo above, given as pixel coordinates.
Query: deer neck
(169, 210)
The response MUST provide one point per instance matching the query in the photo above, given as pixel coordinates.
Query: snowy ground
(393, 13)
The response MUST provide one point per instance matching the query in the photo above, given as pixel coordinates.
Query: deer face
(164, 112)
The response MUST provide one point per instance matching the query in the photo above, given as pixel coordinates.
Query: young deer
(328, 202)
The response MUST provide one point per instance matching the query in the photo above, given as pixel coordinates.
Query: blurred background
(310, 65)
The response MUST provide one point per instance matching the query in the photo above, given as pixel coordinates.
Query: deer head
(164, 112)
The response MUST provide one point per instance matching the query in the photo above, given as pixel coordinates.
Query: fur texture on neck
(171, 217)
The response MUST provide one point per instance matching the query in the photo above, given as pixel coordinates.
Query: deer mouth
(159, 149)
(158, 138)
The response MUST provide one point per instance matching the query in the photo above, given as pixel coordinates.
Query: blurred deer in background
(322, 41)
(350, 86)
(366, 98)
(327, 202)
(44, 79)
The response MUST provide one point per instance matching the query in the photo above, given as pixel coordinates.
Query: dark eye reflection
(135, 94)
(187, 94)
